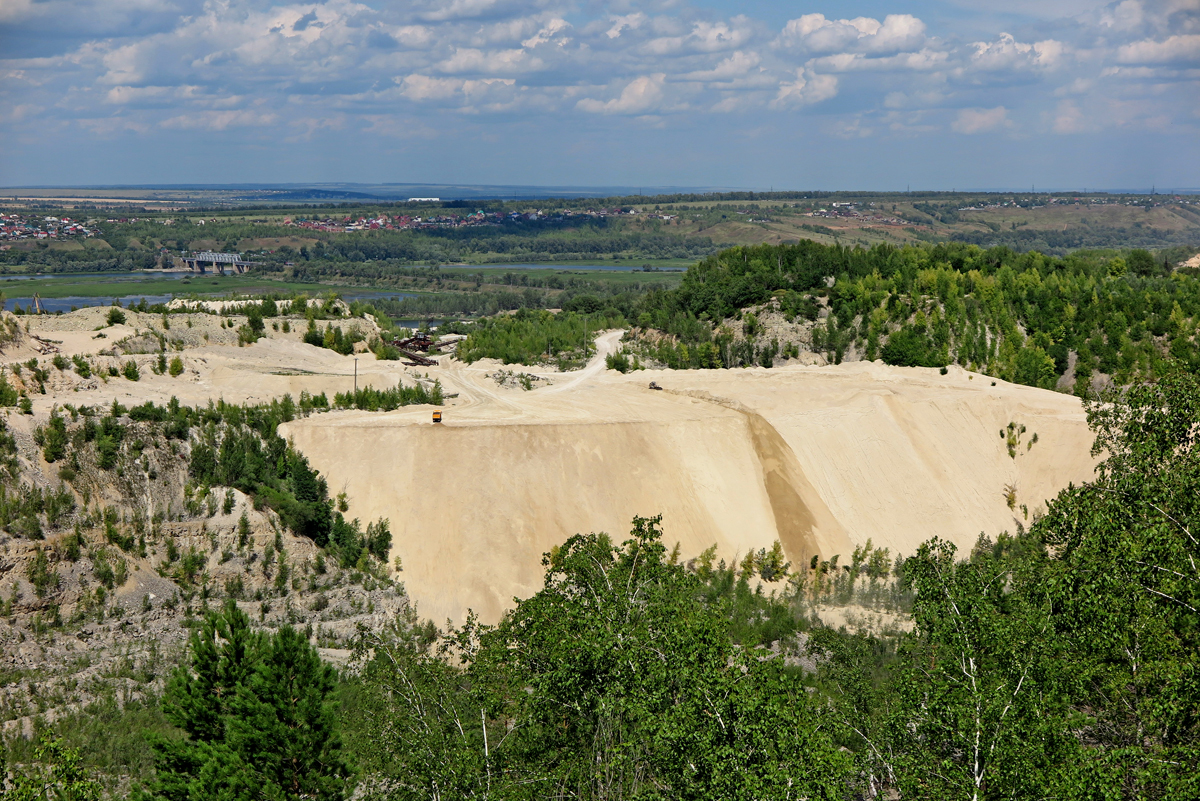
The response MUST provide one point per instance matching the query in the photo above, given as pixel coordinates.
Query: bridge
(218, 260)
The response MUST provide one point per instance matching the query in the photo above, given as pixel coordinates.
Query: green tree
(257, 717)
(56, 775)
(980, 712)
(622, 682)
(54, 435)
(1126, 591)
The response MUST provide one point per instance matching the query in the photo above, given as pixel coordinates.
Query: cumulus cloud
(980, 120)
(1172, 50)
(426, 88)
(806, 88)
(816, 34)
(735, 66)
(642, 95)
(1007, 54)
(218, 65)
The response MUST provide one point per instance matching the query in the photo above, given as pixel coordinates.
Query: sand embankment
(822, 459)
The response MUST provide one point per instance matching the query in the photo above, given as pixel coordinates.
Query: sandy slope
(821, 458)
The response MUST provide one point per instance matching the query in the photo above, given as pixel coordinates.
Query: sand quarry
(820, 458)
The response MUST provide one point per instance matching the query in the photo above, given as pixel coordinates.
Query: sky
(814, 94)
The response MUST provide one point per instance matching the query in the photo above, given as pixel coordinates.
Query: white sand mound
(820, 458)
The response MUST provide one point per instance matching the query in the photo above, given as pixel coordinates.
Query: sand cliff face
(820, 458)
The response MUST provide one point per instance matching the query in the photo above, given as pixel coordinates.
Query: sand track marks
(804, 523)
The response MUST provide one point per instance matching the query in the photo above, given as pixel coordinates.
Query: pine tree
(256, 717)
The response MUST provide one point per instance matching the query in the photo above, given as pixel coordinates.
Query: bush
(116, 316)
(54, 437)
(617, 361)
(130, 370)
(176, 368)
(911, 347)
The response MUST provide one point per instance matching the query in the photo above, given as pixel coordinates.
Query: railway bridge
(219, 261)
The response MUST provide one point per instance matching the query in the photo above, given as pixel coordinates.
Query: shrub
(130, 371)
(176, 368)
(617, 361)
(911, 347)
(116, 316)
(54, 438)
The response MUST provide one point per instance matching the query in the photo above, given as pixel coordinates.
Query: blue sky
(932, 94)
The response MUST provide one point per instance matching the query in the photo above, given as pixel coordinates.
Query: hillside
(821, 459)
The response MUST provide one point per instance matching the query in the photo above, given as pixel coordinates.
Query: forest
(1057, 662)
(1023, 317)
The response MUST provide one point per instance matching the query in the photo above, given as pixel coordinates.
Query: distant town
(24, 226)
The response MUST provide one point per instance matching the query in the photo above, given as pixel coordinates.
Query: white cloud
(1006, 54)
(221, 64)
(471, 60)
(1069, 119)
(805, 89)
(642, 95)
(630, 21)
(220, 120)
(548, 33)
(816, 34)
(1175, 49)
(735, 66)
(922, 61)
(980, 120)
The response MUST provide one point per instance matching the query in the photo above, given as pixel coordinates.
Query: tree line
(1018, 316)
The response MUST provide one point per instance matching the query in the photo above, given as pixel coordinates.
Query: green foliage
(130, 370)
(54, 438)
(1126, 592)
(238, 446)
(116, 316)
(333, 337)
(1058, 663)
(22, 508)
(256, 714)
(176, 367)
(108, 734)
(616, 680)
(41, 575)
(385, 400)
(349, 542)
(56, 773)
(1014, 316)
(82, 366)
(618, 361)
(980, 693)
(535, 337)
(912, 347)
